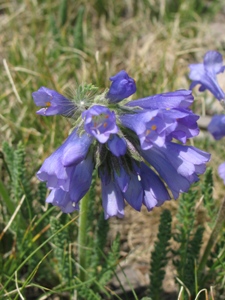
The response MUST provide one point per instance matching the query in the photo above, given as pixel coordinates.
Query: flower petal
(181, 98)
(134, 192)
(81, 179)
(155, 192)
(117, 145)
(112, 200)
(76, 150)
(62, 199)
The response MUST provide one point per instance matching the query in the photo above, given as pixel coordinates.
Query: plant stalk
(82, 237)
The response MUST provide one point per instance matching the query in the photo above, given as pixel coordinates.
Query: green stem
(211, 242)
(82, 236)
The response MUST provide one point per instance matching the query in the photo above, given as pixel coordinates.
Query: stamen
(154, 127)
(48, 104)
(73, 204)
(139, 177)
(98, 121)
(148, 131)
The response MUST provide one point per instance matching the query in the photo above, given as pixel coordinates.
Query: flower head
(122, 87)
(132, 148)
(205, 74)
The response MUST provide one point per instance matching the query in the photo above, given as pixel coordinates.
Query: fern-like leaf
(159, 256)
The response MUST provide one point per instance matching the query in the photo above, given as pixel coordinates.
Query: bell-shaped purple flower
(147, 125)
(186, 124)
(217, 126)
(54, 103)
(221, 171)
(79, 184)
(117, 186)
(58, 167)
(112, 200)
(155, 192)
(100, 122)
(122, 87)
(155, 127)
(177, 165)
(205, 74)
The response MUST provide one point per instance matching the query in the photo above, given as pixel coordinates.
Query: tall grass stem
(214, 235)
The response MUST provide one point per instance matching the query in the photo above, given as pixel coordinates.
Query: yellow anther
(48, 104)
(154, 127)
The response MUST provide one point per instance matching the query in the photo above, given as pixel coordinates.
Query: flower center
(100, 122)
(149, 130)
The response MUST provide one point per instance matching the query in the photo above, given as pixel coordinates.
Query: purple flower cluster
(205, 75)
(131, 145)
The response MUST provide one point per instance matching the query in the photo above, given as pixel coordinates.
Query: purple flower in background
(217, 126)
(205, 74)
(122, 87)
(129, 145)
(54, 103)
(221, 171)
